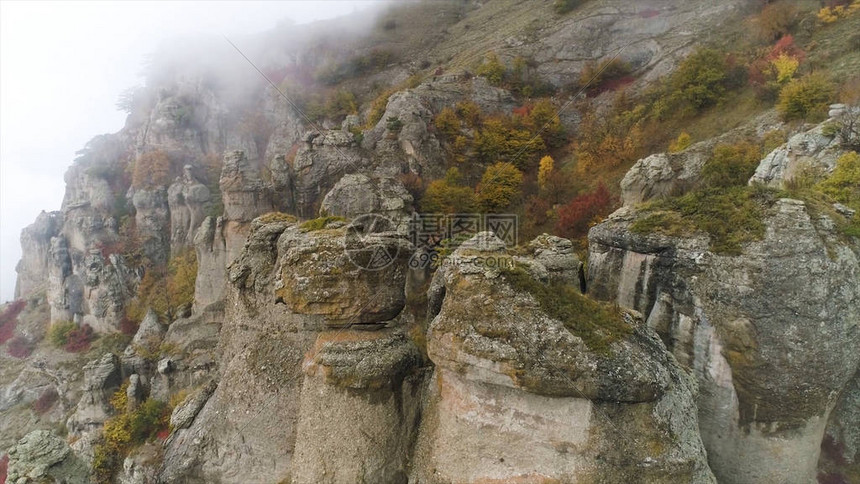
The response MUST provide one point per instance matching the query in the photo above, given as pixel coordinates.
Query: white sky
(62, 68)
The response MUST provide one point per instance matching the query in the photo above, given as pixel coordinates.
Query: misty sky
(62, 68)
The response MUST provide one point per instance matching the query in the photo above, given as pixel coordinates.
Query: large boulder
(357, 194)
(43, 456)
(522, 394)
(359, 408)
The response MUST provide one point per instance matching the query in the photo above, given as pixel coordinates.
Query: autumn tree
(500, 186)
(545, 169)
(575, 218)
(151, 169)
(448, 195)
(447, 123)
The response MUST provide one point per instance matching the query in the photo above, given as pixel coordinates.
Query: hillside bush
(844, 184)
(19, 347)
(731, 165)
(46, 400)
(166, 289)
(502, 140)
(151, 169)
(545, 168)
(9, 319)
(500, 187)
(469, 112)
(806, 98)
(700, 80)
(607, 75)
(58, 333)
(681, 143)
(79, 339)
(562, 7)
(777, 19)
(125, 431)
(4, 467)
(492, 68)
(448, 195)
(584, 211)
(447, 123)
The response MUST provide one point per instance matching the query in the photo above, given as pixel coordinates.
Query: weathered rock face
(211, 247)
(152, 218)
(322, 159)
(44, 456)
(355, 195)
(345, 277)
(245, 197)
(187, 200)
(652, 37)
(33, 267)
(359, 410)
(809, 150)
(770, 334)
(101, 379)
(518, 397)
(247, 428)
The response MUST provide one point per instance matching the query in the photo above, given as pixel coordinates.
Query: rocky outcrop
(188, 201)
(367, 381)
(247, 428)
(518, 396)
(44, 456)
(211, 247)
(770, 334)
(33, 268)
(152, 220)
(245, 197)
(813, 151)
(355, 195)
(102, 378)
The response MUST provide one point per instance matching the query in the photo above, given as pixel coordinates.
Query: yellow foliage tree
(547, 165)
(447, 123)
(681, 143)
(784, 66)
(500, 186)
(151, 169)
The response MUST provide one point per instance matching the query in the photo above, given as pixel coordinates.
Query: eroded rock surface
(743, 324)
(519, 397)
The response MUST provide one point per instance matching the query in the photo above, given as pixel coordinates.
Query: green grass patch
(731, 216)
(320, 223)
(273, 217)
(598, 324)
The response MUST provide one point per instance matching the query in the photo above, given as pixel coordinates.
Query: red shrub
(830, 478)
(19, 347)
(9, 319)
(575, 218)
(45, 401)
(523, 111)
(4, 465)
(163, 434)
(79, 339)
(128, 325)
(7, 330)
(785, 45)
(537, 209)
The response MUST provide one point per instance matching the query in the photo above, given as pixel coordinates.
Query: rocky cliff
(233, 289)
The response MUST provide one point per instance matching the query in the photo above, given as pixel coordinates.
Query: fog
(63, 66)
